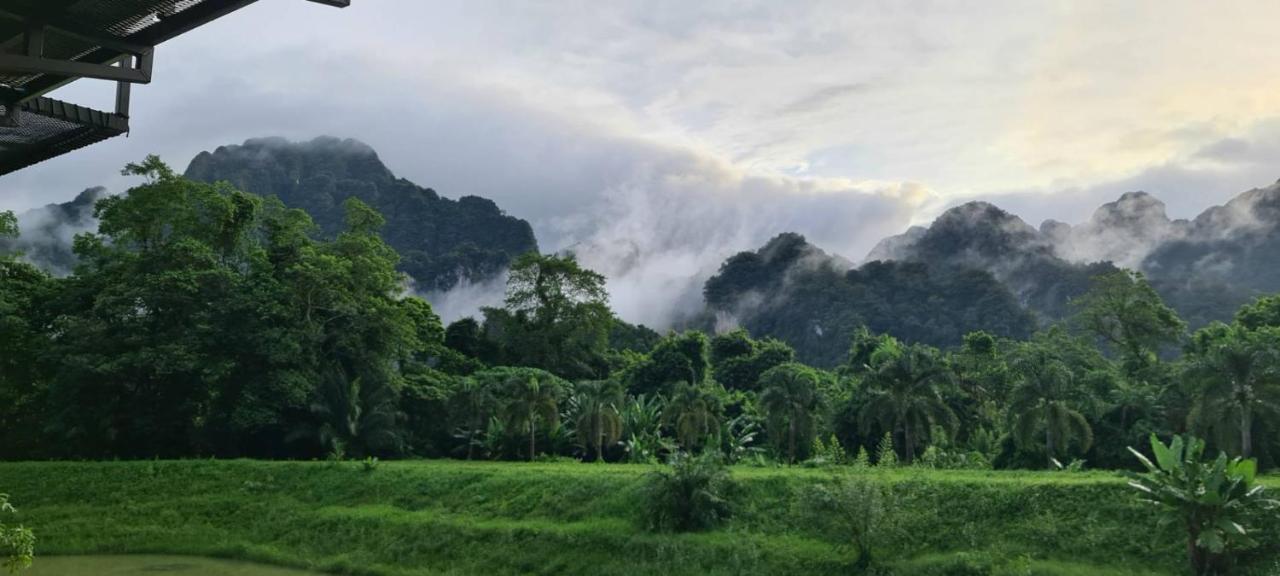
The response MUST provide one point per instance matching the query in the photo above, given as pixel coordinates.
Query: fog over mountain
(660, 237)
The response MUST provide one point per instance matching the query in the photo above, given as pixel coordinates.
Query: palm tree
(599, 421)
(791, 395)
(473, 398)
(904, 396)
(530, 403)
(694, 411)
(1238, 374)
(353, 415)
(1043, 398)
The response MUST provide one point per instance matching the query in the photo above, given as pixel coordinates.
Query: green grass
(445, 517)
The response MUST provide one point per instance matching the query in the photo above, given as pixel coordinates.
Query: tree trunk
(599, 438)
(1048, 441)
(1246, 430)
(471, 442)
(533, 435)
(1195, 555)
(791, 440)
(908, 445)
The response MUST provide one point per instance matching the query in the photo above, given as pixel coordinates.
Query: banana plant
(17, 544)
(1211, 499)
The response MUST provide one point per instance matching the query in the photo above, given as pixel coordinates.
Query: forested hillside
(1206, 267)
(440, 241)
(793, 291)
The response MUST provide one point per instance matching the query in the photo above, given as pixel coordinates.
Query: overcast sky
(688, 129)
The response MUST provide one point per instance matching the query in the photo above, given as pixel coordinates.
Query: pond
(139, 565)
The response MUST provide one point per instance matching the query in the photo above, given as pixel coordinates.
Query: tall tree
(474, 399)
(677, 358)
(904, 395)
(792, 400)
(1123, 310)
(556, 317)
(531, 403)
(1237, 375)
(1261, 313)
(599, 421)
(694, 412)
(1044, 400)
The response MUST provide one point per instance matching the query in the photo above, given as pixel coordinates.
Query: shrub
(1210, 499)
(886, 455)
(17, 544)
(850, 512)
(692, 496)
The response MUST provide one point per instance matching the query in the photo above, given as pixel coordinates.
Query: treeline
(204, 321)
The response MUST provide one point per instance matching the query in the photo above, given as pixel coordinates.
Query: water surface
(139, 565)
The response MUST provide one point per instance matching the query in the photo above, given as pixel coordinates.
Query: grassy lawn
(448, 517)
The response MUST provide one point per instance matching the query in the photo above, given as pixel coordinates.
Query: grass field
(446, 517)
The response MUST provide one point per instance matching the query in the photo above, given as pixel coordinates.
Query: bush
(17, 544)
(850, 512)
(1212, 499)
(692, 496)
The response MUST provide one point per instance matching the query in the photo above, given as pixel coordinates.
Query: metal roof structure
(46, 44)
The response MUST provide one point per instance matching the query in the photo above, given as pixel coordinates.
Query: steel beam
(71, 68)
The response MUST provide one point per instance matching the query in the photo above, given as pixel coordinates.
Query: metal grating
(49, 128)
(45, 44)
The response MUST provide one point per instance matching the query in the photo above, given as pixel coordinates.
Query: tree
(738, 361)
(693, 496)
(203, 319)
(850, 511)
(555, 317)
(904, 395)
(599, 421)
(1043, 400)
(1237, 373)
(792, 400)
(8, 224)
(1213, 500)
(17, 544)
(1263, 312)
(530, 403)
(694, 411)
(1123, 310)
(474, 398)
(677, 358)
(355, 417)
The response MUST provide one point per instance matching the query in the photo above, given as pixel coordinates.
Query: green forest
(205, 322)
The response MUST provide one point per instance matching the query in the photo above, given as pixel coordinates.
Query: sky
(657, 137)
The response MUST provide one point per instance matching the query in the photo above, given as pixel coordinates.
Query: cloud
(662, 136)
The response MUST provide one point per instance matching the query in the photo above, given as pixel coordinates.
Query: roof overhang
(46, 44)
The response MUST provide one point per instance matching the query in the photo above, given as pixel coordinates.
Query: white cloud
(676, 132)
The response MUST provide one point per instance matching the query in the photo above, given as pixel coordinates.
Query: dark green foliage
(677, 358)
(443, 241)
(692, 496)
(1213, 501)
(694, 413)
(206, 320)
(1045, 402)
(1124, 311)
(738, 361)
(904, 396)
(555, 317)
(792, 291)
(632, 337)
(1262, 313)
(793, 402)
(1234, 375)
